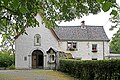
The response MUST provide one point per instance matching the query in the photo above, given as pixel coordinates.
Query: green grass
(48, 74)
(3, 75)
(56, 75)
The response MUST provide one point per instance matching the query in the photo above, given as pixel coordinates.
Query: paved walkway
(33, 75)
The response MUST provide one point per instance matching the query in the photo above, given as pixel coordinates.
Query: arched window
(37, 40)
(51, 55)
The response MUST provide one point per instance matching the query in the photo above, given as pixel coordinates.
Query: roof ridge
(80, 26)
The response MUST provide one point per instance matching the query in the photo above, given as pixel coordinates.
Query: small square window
(71, 45)
(25, 58)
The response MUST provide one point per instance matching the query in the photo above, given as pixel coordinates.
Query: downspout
(103, 51)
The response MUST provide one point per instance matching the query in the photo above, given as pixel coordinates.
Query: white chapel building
(40, 48)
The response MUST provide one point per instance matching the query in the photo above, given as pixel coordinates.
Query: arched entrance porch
(37, 59)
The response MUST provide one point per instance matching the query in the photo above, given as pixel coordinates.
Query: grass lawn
(33, 75)
(53, 75)
(4, 75)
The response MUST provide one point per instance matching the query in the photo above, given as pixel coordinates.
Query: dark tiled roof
(76, 33)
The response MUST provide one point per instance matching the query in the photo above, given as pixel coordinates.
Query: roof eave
(82, 40)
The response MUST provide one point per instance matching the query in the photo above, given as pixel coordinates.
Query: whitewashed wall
(85, 49)
(25, 45)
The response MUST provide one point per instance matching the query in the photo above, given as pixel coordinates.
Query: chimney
(83, 25)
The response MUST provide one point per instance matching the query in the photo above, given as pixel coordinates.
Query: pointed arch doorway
(37, 59)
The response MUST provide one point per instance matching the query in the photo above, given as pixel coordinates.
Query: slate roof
(76, 33)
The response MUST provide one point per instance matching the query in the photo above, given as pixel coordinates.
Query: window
(72, 45)
(94, 47)
(37, 40)
(94, 58)
(25, 58)
(51, 58)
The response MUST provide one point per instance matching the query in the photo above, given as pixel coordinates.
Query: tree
(115, 43)
(16, 15)
(115, 19)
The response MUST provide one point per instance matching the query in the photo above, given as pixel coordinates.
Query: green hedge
(6, 60)
(92, 70)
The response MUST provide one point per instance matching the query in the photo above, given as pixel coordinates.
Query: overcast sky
(101, 19)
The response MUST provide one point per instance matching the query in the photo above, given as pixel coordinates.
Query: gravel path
(33, 75)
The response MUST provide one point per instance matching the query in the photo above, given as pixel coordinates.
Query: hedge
(6, 60)
(92, 70)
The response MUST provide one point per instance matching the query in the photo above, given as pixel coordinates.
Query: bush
(92, 70)
(6, 60)
(12, 67)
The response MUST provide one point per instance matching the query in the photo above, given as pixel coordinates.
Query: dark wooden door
(40, 60)
(37, 59)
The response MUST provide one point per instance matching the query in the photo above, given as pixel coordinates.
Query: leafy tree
(16, 15)
(115, 19)
(115, 43)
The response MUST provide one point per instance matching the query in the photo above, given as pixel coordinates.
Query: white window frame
(37, 40)
(51, 59)
(72, 44)
(94, 47)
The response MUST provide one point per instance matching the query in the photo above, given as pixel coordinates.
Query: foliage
(68, 56)
(16, 15)
(92, 70)
(115, 43)
(115, 19)
(12, 67)
(6, 59)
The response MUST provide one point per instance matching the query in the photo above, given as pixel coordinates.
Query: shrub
(92, 70)
(12, 67)
(6, 60)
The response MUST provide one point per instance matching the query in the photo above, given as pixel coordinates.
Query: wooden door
(34, 61)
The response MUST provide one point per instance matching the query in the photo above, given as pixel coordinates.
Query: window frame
(37, 40)
(94, 47)
(71, 47)
(51, 58)
(25, 58)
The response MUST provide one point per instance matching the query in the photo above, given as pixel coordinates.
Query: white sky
(101, 19)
